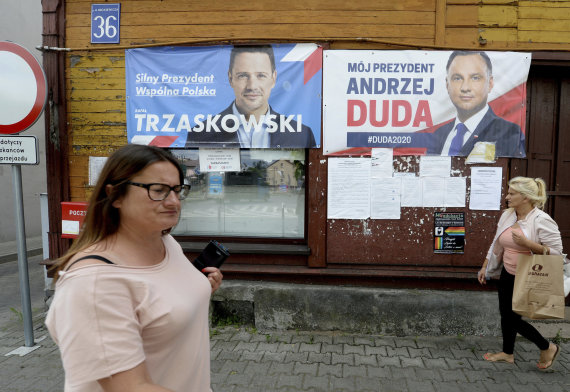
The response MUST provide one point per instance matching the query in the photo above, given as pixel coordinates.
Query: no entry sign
(23, 88)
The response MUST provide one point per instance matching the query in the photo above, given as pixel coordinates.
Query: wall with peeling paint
(409, 241)
(95, 79)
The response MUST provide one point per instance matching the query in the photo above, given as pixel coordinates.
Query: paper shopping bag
(539, 287)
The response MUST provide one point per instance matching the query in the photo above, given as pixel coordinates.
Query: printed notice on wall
(382, 162)
(219, 160)
(411, 194)
(449, 232)
(348, 188)
(385, 198)
(455, 192)
(486, 188)
(433, 191)
(95, 166)
(431, 166)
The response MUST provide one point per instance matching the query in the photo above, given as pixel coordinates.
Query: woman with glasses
(130, 312)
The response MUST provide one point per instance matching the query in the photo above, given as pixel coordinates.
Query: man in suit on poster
(252, 75)
(469, 81)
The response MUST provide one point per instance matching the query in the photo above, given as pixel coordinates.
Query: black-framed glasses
(159, 192)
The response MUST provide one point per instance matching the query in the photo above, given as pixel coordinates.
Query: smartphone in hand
(213, 255)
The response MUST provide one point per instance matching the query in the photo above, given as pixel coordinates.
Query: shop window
(266, 198)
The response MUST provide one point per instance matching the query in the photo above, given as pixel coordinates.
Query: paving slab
(240, 365)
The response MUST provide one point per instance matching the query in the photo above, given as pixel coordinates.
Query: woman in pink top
(130, 312)
(522, 229)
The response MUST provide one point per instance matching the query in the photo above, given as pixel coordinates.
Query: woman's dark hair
(102, 219)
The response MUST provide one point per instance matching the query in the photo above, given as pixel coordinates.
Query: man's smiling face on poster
(468, 82)
(252, 79)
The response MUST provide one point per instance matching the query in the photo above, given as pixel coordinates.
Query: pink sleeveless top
(511, 250)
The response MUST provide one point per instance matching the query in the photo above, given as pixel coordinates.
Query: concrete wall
(370, 310)
(21, 22)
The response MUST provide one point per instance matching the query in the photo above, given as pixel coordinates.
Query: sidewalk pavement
(9, 249)
(246, 360)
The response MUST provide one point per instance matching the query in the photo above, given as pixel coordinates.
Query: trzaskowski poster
(262, 96)
(425, 102)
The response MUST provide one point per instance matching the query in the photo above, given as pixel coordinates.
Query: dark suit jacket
(508, 137)
(277, 139)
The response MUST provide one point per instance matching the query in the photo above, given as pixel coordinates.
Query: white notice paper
(382, 162)
(434, 166)
(433, 191)
(95, 166)
(70, 227)
(348, 188)
(486, 188)
(219, 159)
(385, 198)
(411, 192)
(455, 189)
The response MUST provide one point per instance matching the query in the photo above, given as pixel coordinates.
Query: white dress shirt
(257, 135)
(471, 124)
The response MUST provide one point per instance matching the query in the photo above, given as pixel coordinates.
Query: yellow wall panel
(83, 119)
(96, 106)
(98, 150)
(226, 6)
(546, 13)
(97, 95)
(99, 59)
(495, 2)
(540, 25)
(99, 140)
(79, 36)
(544, 4)
(95, 73)
(500, 35)
(545, 37)
(461, 37)
(501, 16)
(203, 18)
(99, 129)
(383, 44)
(462, 2)
(95, 83)
(459, 15)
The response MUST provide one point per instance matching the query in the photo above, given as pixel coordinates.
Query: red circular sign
(20, 68)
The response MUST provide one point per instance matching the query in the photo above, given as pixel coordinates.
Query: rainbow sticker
(438, 243)
(455, 231)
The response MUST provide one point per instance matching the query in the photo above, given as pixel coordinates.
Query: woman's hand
(520, 239)
(214, 276)
(534, 247)
(481, 276)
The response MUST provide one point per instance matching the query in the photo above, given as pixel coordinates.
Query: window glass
(266, 198)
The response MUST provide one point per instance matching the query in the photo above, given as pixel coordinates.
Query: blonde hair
(533, 189)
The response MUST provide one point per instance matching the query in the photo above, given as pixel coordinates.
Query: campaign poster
(449, 233)
(425, 102)
(189, 97)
